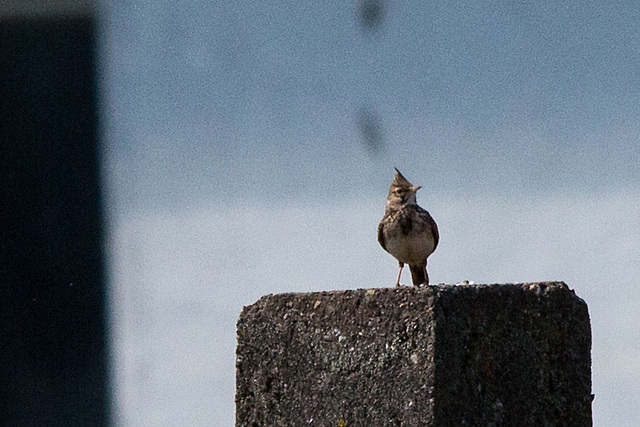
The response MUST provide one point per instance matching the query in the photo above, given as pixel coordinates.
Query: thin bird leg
(400, 265)
(426, 275)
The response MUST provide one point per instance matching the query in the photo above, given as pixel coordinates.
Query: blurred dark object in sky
(53, 357)
(370, 125)
(371, 14)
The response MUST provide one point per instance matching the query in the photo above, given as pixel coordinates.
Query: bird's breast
(412, 248)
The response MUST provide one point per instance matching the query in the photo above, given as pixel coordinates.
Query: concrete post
(446, 355)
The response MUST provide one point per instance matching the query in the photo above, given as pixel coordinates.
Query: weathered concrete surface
(475, 355)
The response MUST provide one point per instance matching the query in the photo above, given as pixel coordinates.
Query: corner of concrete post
(445, 355)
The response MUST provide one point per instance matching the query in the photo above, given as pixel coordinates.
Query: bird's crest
(400, 181)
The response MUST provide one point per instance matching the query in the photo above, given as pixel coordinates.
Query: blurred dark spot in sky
(371, 14)
(370, 125)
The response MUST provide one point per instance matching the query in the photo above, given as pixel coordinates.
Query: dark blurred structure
(371, 130)
(53, 358)
(371, 14)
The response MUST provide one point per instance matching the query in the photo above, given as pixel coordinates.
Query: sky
(236, 166)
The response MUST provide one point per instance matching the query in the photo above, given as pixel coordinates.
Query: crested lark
(407, 231)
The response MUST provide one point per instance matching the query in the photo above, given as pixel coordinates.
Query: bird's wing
(381, 235)
(436, 233)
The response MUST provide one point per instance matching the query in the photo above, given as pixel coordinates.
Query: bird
(407, 231)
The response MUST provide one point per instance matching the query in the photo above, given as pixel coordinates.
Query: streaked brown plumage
(407, 231)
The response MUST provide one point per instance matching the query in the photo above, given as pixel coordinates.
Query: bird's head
(401, 190)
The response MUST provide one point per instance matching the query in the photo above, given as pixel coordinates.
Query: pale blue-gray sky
(240, 98)
(514, 116)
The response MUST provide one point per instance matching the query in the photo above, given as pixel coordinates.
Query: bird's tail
(419, 275)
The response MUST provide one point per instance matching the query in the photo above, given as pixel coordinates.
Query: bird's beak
(415, 188)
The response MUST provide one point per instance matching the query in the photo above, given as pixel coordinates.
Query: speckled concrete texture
(445, 355)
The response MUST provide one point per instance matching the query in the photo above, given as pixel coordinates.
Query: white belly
(411, 249)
